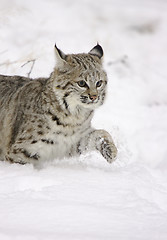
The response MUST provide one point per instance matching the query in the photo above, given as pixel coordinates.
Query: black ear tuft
(97, 51)
(61, 54)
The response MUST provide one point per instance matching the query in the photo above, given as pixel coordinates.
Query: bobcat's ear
(97, 51)
(60, 58)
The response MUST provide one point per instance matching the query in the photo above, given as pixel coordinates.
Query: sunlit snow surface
(87, 198)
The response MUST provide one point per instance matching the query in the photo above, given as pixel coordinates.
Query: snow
(87, 198)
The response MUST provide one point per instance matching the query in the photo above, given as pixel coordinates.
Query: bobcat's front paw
(106, 146)
(108, 150)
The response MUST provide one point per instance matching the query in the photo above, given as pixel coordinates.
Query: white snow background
(87, 198)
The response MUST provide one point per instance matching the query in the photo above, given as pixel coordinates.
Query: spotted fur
(47, 118)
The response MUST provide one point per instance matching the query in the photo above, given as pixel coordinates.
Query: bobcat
(47, 118)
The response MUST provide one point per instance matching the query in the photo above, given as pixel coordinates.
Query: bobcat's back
(10, 84)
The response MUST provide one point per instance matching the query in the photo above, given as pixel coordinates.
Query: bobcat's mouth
(87, 100)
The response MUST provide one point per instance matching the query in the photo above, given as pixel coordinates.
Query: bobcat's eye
(82, 83)
(99, 83)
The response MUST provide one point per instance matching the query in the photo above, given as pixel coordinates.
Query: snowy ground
(87, 198)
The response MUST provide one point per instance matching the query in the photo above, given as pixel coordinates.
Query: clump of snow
(87, 198)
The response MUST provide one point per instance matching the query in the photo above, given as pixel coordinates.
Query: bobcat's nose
(93, 97)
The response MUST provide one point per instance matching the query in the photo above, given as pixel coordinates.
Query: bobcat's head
(80, 79)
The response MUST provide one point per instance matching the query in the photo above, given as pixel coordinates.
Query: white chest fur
(57, 147)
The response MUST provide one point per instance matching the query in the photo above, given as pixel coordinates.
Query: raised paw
(108, 150)
(102, 141)
(105, 145)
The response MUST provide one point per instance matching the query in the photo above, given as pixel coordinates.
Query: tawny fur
(48, 118)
